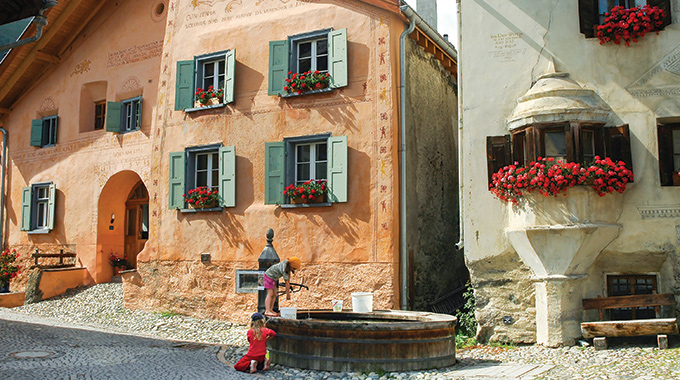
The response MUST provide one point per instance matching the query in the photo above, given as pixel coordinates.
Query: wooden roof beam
(81, 26)
(52, 29)
(47, 57)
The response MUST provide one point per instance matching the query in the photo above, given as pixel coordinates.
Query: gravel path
(101, 306)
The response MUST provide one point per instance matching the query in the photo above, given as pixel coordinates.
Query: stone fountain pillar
(559, 238)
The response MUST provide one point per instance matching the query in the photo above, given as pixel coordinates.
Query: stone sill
(195, 210)
(189, 110)
(303, 205)
(294, 94)
(38, 232)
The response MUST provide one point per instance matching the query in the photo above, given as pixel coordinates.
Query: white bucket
(362, 302)
(289, 312)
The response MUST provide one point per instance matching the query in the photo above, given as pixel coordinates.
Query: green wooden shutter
(589, 16)
(666, 6)
(113, 117)
(229, 66)
(184, 85)
(337, 57)
(227, 185)
(26, 199)
(278, 66)
(337, 168)
(36, 132)
(274, 169)
(176, 188)
(50, 206)
(139, 112)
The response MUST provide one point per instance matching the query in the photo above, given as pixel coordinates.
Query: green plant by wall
(467, 323)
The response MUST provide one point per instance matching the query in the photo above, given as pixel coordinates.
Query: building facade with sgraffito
(123, 188)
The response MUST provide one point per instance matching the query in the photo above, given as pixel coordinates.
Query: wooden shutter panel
(617, 144)
(666, 172)
(337, 57)
(589, 16)
(113, 110)
(498, 153)
(278, 66)
(26, 200)
(176, 187)
(274, 169)
(184, 85)
(229, 66)
(337, 168)
(36, 132)
(51, 202)
(139, 112)
(227, 185)
(666, 6)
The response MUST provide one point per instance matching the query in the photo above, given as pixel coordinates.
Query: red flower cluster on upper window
(548, 178)
(307, 191)
(201, 196)
(308, 81)
(622, 24)
(204, 96)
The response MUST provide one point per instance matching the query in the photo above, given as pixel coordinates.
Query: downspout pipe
(40, 20)
(403, 257)
(461, 156)
(2, 187)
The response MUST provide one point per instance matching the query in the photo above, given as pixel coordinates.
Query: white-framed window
(37, 207)
(206, 169)
(311, 161)
(211, 71)
(249, 281)
(310, 54)
(131, 114)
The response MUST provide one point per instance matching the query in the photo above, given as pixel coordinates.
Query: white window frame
(312, 37)
(131, 114)
(49, 132)
(240, 273)
(313, 161)
(212, 165)
(40, 203)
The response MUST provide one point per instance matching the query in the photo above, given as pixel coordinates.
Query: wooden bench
(660, 327)
(61, 256)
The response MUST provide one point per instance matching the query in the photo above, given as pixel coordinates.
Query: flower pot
(207, 205)
(4, 288)
(117, 270)
(297, 201)
(210, 102)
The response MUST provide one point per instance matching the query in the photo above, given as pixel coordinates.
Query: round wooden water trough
(383, 340)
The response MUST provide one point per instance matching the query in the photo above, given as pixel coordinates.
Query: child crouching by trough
(258, 335)
(271, 280)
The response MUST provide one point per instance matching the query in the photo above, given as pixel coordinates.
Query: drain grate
(35, 354)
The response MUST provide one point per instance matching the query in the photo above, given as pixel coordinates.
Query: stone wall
(432, 179)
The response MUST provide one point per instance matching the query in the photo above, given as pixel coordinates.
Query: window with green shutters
(212, 166)
(298, 159)
(125, 116)
(323, 50)
(216, 70)
(37, 207)
(44, 131)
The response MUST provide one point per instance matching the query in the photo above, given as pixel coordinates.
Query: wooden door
(136, 223)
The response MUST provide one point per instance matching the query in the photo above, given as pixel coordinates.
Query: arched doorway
(136, 223)
(122, 221)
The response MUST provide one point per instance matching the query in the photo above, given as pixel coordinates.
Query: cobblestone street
(88, 334)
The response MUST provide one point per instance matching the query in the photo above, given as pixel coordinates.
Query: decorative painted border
(663, 211)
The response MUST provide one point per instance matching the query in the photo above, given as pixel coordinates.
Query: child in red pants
(256, 359)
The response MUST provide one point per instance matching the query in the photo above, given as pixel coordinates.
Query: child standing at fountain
(271, 280)
(256, 358)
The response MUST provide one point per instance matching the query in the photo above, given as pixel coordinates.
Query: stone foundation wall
(209, 290)
(503, 287)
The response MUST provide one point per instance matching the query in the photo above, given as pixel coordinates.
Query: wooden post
(600, 343)
(36, 256)
(61, 256)
(662, 340)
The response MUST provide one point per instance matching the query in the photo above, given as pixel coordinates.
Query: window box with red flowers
(549, 178)
(202, 198)
(312, 191)
(629, 24)
(306, 83)
(209, 97)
